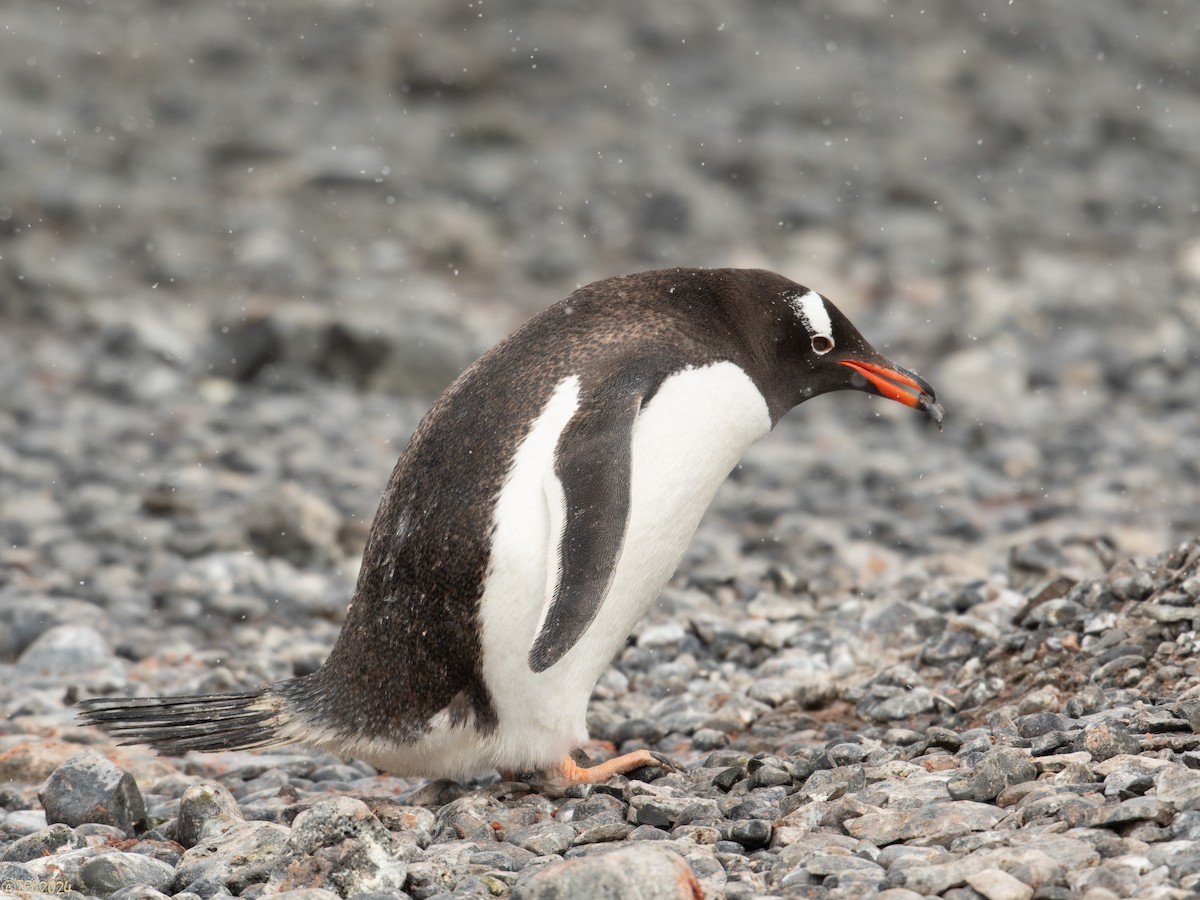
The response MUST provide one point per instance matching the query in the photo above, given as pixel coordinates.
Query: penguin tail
(245, 720)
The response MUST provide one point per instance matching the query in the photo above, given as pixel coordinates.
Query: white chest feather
(684, 443)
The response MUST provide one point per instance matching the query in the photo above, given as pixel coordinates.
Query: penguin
(535, 515)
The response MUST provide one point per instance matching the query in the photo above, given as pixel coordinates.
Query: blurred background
(244, 244)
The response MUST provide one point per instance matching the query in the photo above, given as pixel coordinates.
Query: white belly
(685, 442)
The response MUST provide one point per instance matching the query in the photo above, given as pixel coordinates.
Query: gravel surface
(243, 245)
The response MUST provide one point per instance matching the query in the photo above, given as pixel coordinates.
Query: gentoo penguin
(538, 510)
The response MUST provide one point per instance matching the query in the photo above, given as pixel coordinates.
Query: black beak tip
(928, 402)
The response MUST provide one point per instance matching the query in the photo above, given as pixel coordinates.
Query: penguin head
(820, 351)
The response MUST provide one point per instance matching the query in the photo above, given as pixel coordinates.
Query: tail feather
(245, 720)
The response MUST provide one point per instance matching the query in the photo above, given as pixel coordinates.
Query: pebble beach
(244, 245)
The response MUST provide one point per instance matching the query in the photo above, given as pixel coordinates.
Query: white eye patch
(810, 307)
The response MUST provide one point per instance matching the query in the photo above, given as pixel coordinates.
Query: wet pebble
(107, 873)
(997, 770)
(90, 788)
(50, 840)
(338, 844)
(644, 871)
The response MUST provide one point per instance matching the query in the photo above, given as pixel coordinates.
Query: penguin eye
(821, 344)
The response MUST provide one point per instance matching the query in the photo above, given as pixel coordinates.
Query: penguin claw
(568, 773)
(665, 762)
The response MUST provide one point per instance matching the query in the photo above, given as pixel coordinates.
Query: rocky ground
(243, 245)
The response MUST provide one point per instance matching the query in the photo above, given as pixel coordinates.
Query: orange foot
(568, 773)
(553, 780)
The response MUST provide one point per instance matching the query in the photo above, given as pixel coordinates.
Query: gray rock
(205, 889)
(1128, 583)
(1107, 739)
(825, 864)
(596, 808)
(1088, 700)
(769, 775)
(469, 818)
(998, 769)
(1039, 555)
(707, 870)
(996, 884)
(1055, 613)
(204, 810)
(698, 835)
(647, 833)
(936, 736)
(1186, 826)
(1041, 723)
(1182, 857)
(599, 834)
(709, 739)
(431, 877)
(338, 844)
(657, 807)
(751, 833)
(164, 851)
(64, 866)
(1117, 666)
(951, 647)
(24, 619)
(760, 803)
(107, 873)
(544, 839)
(1126, 781)
(418, 360)
(24, 821)
(846, 754)
(415, 821)
(762, 761)
(1136, 809)
(1169, 614)
(1052, 742)
(700, 811)
(90, 788)
(232, 856)
(810, 692)
(1106, 880)
(14, 873)
(293, 523)
(657, 814)
(1178, 786)
(1159, 720)
(646, 730)
(939, 822)
(727, 778)
(138, 892)
(50, 840)
(504, 858)
(897, 704)
(67, 650)
(938, 877)
(366, 347)
(636, 872)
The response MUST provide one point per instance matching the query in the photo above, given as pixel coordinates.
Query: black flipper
(593, 466)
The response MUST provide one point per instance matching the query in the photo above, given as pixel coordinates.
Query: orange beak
(901, 385)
